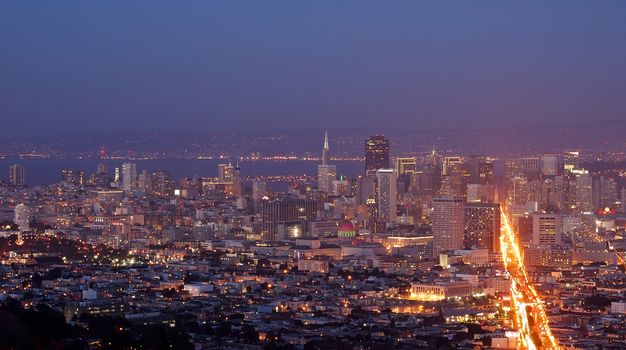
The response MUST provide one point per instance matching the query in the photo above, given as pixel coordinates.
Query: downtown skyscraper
(326, 173)
(16, 175)
(376, 153)
(447, 224)
(387, 195)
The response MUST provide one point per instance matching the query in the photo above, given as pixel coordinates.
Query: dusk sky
(68, 66)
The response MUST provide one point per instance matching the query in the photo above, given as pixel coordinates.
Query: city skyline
(285, 175)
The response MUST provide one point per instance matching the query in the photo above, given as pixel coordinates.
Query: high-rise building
(22, 217)
(16, 175)
(604, 192)
(101, 177)
(72, 177)
(551, 193)
(482, 226)
(518, 192)
(326, 150)
(102, 168)
(547, 228)
(448, 223)
(387, 195)
(479, 174)
(326, 173)
(551, 165)
(238, 187)
(454, 182)
(426, 183)
(283, 214)
(486, 173)
(525, 228)
(366, 188)
(584, 190)
(225, 172)
(144, 181)
(376, 153)
(259, 189)
(342, 187)
(129, 177)
(406, 166)
(162, 184)
(571, 160)
(475, 193)
(449, 163)
(531, 164)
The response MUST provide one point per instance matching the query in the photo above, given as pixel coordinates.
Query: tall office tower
(405, 166)
(326, 173)
(225, 172)
(584, 191)
(479, 170)
(551, 194)
(433, 158)
(101, 177)
(530, 167)
(426, 183)
(475, 193)
(525, 228)
(376, 153)
(342, 187)
(259, 189)
(144, 181)
(551, 165)
(238, 190)
(604, 192)
(102, 168)
(326, 150)
(448, 224)
(623, 199)
(569, 191)
(482, 226)
(404, 184)
(129, 177)
(387, 195)
(547, 228)
(486, 173)
(476, 166)
(285, 216)
(162, 184)
(117, 176)
(16, 175)
(449, 163)
(519, 190)
(73, 177)
(22, 217)
(454, 183)
(571, 160)
(366, 189)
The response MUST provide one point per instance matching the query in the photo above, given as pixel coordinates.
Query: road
(530, 315)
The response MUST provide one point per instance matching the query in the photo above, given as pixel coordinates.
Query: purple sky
(68, 66)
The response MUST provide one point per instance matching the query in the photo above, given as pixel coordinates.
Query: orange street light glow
(529, 314)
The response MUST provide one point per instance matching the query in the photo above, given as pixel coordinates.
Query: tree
(597, 302)
(36, 280)
(250, 334)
